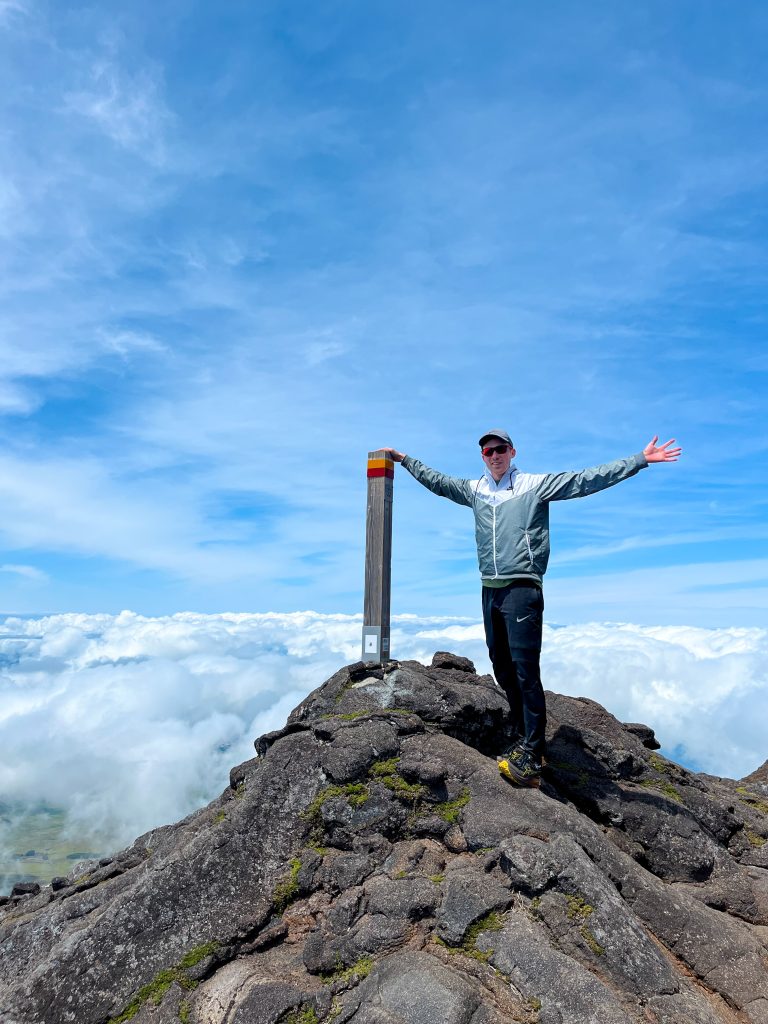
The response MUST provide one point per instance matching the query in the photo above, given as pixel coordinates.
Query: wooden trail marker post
(378, 556)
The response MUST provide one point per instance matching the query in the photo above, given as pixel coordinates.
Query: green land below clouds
(35, 846)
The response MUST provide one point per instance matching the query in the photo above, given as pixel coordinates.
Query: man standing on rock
(512, 534)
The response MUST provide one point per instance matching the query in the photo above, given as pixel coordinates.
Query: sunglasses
(498, 449)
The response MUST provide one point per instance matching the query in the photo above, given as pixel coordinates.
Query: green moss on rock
(196, 955)
(578, 908)
(490, 923)
(752, 800)
(659, 763)
(450, 810)
(662, 786)
(356, 793)
(387, 774)
(154, 991)
(287, 890)
(349, 975)
(304, 1015)
(591, 941)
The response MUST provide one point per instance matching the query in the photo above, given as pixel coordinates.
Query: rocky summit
(371, 865)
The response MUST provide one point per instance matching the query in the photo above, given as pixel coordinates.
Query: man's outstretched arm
(451, 487)
(561, 486)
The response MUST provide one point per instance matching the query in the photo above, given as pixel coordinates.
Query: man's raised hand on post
(662, 452)
(394, 453)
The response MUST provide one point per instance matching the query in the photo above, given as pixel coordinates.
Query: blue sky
(243, 244)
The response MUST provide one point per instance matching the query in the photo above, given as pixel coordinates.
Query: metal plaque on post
(378, 556)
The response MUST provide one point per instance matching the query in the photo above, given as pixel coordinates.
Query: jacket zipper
(495, 569)
(528, 545)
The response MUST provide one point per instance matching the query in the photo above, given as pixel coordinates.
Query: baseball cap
(502, 435)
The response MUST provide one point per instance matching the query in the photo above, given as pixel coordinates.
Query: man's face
(498, 458)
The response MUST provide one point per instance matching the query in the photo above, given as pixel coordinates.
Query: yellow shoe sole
(505, 772)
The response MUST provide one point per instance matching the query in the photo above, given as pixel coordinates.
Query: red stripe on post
(389, 473)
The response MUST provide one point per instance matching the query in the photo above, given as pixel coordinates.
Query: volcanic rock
(371, 865)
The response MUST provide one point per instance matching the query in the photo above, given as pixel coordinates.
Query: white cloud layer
(127, 722)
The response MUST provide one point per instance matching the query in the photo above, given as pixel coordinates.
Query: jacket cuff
(640, 460)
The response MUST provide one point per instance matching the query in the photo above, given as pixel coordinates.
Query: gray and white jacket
(512, 516)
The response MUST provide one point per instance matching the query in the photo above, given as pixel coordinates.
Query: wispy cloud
(28, 572)
(127, 107)
(124, 343)
(76, 505)
(11, 8)
(16, 399)
(324, 347)
(722, 536)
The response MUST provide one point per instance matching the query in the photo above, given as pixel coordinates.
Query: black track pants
(513, 619)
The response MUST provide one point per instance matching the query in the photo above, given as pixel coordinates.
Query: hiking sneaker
(523, 770)
(514, 749)
(513, 754)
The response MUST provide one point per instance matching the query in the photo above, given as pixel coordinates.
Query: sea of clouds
(127, 722)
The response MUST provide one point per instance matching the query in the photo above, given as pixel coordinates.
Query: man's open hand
(662, 452)
(395, 454)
